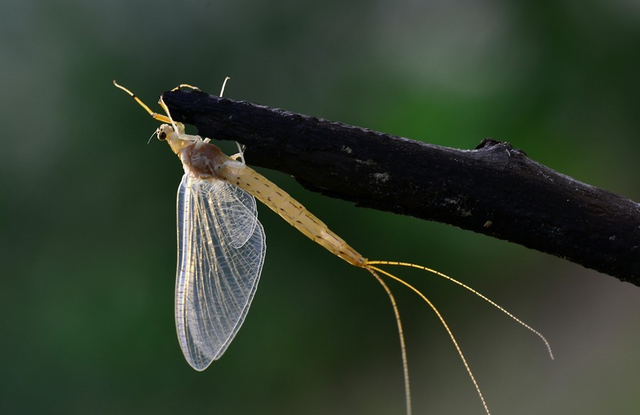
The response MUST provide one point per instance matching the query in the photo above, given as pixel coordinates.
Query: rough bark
(493, 189)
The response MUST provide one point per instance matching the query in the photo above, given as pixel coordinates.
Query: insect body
(221, 248)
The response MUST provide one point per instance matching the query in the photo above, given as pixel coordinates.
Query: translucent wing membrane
(240, 214)
(221, 249)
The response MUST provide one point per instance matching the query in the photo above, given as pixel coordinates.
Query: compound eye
(161, 135)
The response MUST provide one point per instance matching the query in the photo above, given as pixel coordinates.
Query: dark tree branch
(494, 189)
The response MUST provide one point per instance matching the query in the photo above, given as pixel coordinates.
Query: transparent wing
(221, 249)
(239, 223)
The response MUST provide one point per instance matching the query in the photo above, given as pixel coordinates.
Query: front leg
(239, 154)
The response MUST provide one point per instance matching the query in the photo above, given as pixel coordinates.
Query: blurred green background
(87, 212)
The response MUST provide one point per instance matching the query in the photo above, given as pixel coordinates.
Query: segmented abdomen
(294, 213)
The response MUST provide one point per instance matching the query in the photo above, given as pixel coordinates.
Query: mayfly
(221, 248)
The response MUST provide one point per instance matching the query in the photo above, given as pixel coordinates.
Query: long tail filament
(372, 267)
(403, 349)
